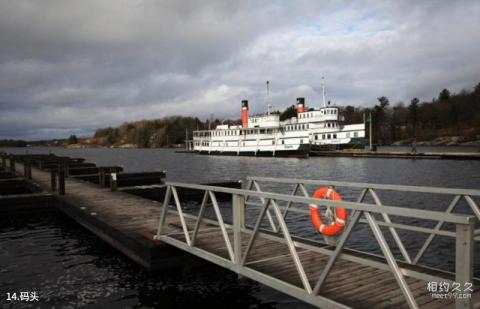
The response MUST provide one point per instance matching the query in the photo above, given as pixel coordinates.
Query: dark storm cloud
(71, 66)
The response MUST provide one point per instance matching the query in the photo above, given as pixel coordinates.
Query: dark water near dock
(69, 267)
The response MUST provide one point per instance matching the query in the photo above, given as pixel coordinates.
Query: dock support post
(4, 162)
(113, 182)
(101, 177)
(238, 202)
(61, 179)
(53, 180)
(66, 167)
(464, 264)
(27, 169)
(12, 164)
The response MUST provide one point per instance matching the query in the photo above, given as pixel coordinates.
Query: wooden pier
(398, 155)
(158, 235)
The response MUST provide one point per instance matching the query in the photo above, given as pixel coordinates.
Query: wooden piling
(53, 181)
(27, 169)
(61, 179)
(4, 162)
(101, 177)
(12, 164)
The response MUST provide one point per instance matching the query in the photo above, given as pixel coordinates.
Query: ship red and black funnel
(244, 113)
(300, 105)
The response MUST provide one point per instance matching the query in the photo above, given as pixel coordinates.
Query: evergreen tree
(413, 114)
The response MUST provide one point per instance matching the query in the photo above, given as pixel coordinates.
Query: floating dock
(249, 233)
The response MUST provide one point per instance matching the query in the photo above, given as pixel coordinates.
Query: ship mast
(323, 91)
(267, 99)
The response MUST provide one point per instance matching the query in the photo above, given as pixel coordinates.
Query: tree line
(448, 114)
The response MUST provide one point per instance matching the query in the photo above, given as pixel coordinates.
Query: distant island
(448, 120)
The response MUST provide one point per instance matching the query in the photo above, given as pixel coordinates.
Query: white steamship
(266, 135)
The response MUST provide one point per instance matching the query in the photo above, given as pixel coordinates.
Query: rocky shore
(441, 141)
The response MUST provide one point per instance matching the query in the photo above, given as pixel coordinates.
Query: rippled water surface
(69, 267)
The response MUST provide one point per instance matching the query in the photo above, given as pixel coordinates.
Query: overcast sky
(69, 67)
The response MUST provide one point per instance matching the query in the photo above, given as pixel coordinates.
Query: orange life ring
(340, 214)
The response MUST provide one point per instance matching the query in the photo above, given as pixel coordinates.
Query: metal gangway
(257, 236)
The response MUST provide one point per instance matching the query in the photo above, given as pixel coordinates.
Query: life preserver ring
(340, 214)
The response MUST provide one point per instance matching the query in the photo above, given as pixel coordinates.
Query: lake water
(69, 267)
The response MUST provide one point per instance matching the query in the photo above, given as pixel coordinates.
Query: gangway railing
(238, 254)
(253, 183)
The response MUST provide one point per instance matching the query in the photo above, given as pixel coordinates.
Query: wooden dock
(398, 155)
(157, 235)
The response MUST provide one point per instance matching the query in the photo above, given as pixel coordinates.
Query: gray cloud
(72, 66)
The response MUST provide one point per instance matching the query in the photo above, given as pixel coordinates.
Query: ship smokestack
(244, 113)
(300, 105)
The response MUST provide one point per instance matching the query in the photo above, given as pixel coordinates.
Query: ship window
(243, 143)
(301, 141)
(323, 136)
(283, 141)
(334, 135)
(273, 142)
(316, 137)
(355, 134)
(328, 136)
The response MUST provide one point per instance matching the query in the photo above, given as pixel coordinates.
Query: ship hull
(354, 143)
(301, 152)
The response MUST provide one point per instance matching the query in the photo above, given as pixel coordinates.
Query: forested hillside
(449, 115)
